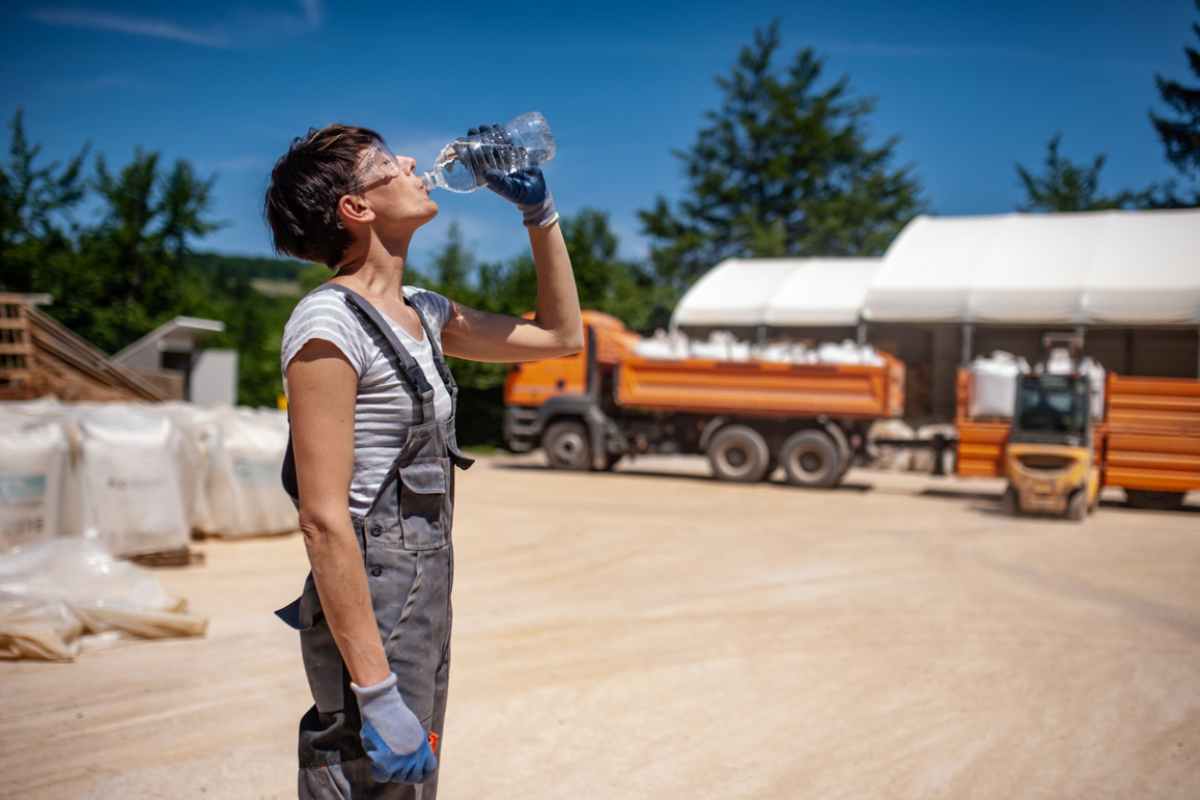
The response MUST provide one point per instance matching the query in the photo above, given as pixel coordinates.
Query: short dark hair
(306, 184)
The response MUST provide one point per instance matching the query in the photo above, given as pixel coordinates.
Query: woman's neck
(376, 269)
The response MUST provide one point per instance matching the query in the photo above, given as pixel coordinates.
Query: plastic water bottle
(532, 141)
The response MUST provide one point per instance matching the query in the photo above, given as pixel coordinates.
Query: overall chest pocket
(425, 503)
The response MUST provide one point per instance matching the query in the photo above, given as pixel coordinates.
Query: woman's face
(395, 191)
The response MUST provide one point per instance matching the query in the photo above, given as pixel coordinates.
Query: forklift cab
(1052, 409)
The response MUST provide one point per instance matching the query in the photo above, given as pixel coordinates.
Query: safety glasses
(377, 167)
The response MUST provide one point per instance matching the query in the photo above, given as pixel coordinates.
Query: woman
(372, 456)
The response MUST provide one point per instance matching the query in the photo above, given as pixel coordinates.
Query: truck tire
(844, 451)
(1158, 501)
(1077, 506)
(566, 445)
(738, 453)
(811, 458)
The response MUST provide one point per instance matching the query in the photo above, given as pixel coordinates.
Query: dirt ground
(655, 634)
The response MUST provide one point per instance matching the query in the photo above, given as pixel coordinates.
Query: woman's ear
(353, 209)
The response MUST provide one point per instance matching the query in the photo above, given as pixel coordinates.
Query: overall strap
(408, 365)
(439, 358)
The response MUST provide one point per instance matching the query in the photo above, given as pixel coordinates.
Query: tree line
(782, 167)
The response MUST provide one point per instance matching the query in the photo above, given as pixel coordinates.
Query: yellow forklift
(1050, 460)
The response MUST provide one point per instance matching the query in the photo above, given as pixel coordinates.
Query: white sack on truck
(663, 346)
(848, 352)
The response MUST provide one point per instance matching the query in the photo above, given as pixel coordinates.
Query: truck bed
(1152, 434)
(756, 388)
(1149, 439)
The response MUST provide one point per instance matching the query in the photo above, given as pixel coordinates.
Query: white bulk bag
(887, 457)
(245, 496)
(198, 428)
(131, 474)
(1096, 377)
(33, 465)
(1060, 363)
(994, 385)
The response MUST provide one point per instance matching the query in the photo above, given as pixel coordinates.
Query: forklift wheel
(1009, 503)
(1077, 507)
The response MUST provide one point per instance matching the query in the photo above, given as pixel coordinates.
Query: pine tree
(783, 167)
(1066, 186)
(1181, 134)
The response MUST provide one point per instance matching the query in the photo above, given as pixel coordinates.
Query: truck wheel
(1158, 501)
(844, 451)
(811, 458)
(738, 453)
(1077, 506)
(566, 446)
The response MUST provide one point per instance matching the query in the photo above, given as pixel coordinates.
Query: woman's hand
(491, 154)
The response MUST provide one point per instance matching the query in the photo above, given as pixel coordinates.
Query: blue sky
(969, 87)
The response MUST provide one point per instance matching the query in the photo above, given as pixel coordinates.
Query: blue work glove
(493, 158)
(392, 735)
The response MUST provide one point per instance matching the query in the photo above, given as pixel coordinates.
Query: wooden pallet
(178, 557)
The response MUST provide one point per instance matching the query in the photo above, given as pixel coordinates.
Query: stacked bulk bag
(199, 430)
(1059, 362)
(33, 472)
(245, 497)
(887, 457)
(994, 385)
(131, 468)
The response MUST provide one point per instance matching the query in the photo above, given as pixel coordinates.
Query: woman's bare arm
(322, 387)
(555, 330)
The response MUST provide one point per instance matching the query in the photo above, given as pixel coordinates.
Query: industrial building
(951, 288)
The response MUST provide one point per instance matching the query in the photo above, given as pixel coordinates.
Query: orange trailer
(749, 417)
(1148, 442)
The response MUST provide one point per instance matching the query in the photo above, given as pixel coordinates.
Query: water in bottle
(532, 144)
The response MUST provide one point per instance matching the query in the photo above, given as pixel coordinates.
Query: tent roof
(779, 292)
(1103, 267)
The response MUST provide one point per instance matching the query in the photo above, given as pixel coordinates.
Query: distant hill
(270, 269)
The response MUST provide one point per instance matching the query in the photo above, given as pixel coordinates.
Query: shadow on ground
(678, 476)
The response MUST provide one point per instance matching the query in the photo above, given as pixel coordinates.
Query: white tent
(1104, 267)
(778, 292)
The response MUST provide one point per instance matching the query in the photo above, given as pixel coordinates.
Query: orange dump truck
(749, 417)
(1147, 442)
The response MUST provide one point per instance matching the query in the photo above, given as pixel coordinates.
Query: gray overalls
(409, 559)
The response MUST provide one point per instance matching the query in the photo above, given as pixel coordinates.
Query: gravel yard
(656, 634)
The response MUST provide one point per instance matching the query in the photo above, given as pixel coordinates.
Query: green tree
(1180, 134)
(36, 201)
(136, 254)
(453, 267)
(606, 281)
(1067, 186)
(783, 167)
